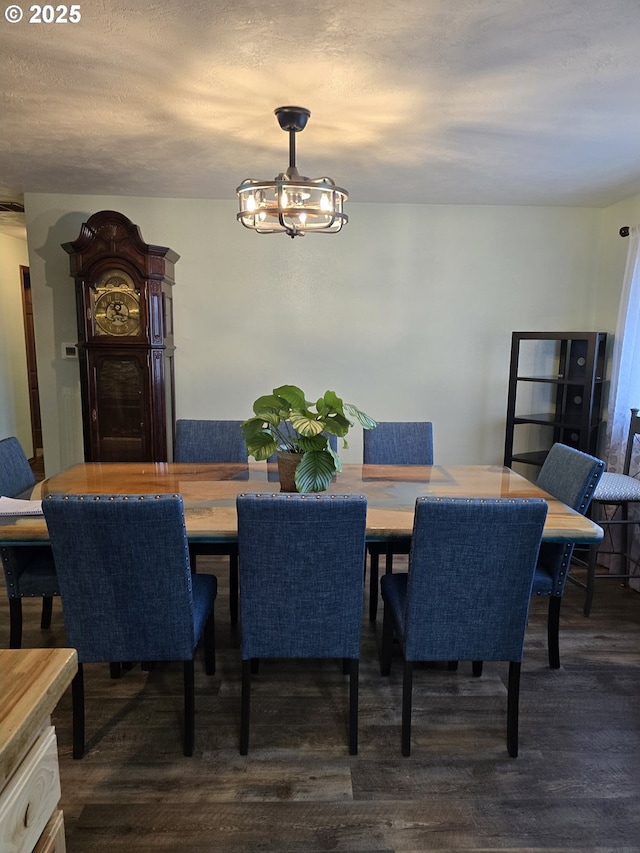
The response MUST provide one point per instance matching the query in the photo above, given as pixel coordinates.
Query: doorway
(37, 460)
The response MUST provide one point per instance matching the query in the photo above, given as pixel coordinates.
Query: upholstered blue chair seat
(393, 443)
(204, 589)
(209, 441)
(215, 442)
(543, 581)
(466, 595)
(16, 476)
(30, 573)
(301, 559)
(394, 592)
(617, 487)
(127, 590)
(573, 478)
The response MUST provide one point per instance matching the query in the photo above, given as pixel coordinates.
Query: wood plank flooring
(575, 786)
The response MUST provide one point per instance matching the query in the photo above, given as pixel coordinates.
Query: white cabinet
(33, 680)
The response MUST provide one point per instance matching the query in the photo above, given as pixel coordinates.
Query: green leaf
(336, 458)
(261, 446)
(252, 430)
(268, 403)
(314, 442)
(315, 471)
(363, 419)
(337, 425)
(305, 424)
(292, 395)
(330, 404)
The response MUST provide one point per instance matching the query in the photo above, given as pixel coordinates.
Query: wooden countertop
(32, 682)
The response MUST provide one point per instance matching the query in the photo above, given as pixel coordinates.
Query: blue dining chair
(213, 441)
(393, 443)
(467, 592)
(301, 560)
(571, 476)
(127, 590)
(209, 441)
(29, 572)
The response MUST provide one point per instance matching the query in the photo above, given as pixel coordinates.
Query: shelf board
(533, 457)
(558, 380)
(549, 419)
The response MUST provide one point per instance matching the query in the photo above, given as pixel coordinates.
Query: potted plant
(285, 423)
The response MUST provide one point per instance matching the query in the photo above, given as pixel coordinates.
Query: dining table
(209, 493)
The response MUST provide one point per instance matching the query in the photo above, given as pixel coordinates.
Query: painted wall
(612, 256)
(15, 417)
(408, 312)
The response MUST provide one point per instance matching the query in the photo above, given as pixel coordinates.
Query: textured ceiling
(533, 102)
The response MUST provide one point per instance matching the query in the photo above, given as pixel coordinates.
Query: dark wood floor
(574, 787)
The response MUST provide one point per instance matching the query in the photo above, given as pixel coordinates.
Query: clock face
(116, 305)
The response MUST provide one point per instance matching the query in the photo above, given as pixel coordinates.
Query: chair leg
(245, 707)
(15, 623)
(373, 586)
(388, 560)
(476, 668)
(47, 610)
(513, 698)
(77, 705)
(592, 559)
(553, 631)
(387, 642)
(354, 667)
(209, 639)
(625, 541)
(233, 586)
(407, 690)
(189, 708)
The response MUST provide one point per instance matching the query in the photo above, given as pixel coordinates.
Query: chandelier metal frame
(292, 203)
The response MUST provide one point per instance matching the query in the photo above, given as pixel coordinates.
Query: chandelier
(291, 203)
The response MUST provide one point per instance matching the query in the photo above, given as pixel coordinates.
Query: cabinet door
(119, 407)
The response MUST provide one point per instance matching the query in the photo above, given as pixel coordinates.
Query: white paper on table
(16, 506)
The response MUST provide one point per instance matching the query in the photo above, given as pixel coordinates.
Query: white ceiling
(533, 102)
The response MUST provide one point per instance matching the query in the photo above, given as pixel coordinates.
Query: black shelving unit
(559, 376)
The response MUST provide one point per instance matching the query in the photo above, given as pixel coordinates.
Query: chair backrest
(16, 476)
(399, 443)
(634, 430)
(300, 560)
(571, 476)
(209, 441)
(125, 580)
(470, 574)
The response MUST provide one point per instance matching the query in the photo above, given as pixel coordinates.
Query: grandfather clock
(125, 347)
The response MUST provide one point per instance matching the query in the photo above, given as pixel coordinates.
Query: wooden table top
(33, 681)
(209, 493)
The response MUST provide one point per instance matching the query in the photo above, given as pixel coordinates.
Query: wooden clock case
(125, 347)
